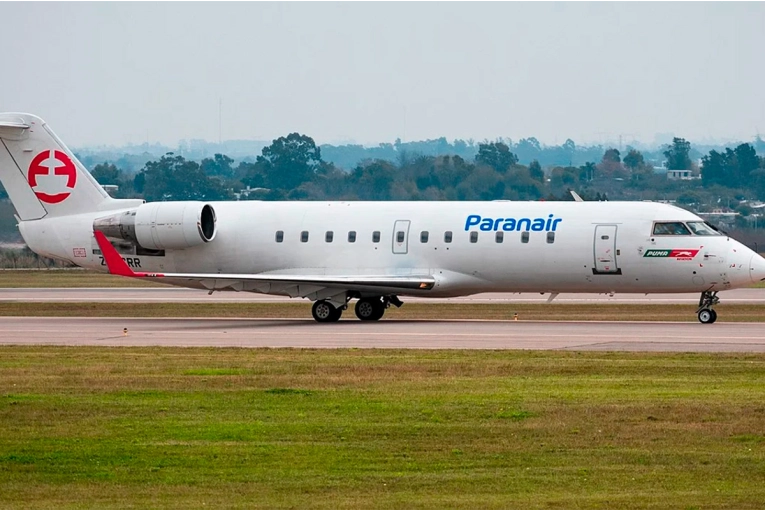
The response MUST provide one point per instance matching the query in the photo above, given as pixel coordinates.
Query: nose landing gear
(705, 312)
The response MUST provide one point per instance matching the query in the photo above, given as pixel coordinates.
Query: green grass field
(235, 428)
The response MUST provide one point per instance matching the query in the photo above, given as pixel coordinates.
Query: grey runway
(461, 334)
(181, 295)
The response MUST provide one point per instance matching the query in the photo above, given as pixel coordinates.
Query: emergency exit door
(606, 255)
(401, 237)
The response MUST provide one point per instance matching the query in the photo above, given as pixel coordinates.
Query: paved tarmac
(177, 294)
(459, 334)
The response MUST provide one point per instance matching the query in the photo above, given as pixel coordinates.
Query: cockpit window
(702, 228)
(670, 228)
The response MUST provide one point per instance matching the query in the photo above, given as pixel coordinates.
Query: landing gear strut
(324, 311)
(705, 312)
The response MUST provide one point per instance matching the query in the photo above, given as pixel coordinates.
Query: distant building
(681, 174)
(245, 193)
(675, 174)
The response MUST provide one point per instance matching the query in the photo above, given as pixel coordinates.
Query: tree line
(292, 168)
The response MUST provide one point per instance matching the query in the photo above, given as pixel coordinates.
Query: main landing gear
(367, 309)
(324, 311)
(705, 312)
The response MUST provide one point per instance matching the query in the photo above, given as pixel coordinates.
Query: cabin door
(401, 237)
(606, 261)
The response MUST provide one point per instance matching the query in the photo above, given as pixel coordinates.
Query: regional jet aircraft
(373, 252)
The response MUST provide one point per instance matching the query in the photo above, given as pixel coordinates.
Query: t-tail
(55, 197)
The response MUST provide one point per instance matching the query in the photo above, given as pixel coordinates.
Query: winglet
(114, 262)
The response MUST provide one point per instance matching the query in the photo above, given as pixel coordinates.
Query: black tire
(324, 311)
(370, 309)
(707, 316)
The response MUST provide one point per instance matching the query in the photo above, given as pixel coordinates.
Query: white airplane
(375, 252)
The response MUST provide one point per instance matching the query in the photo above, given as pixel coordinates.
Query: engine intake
(162, 225)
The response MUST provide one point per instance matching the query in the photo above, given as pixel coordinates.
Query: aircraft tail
(41, 175)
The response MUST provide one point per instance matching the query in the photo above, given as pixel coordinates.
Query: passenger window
(474, 237)
(400, 236)
(424, 236)
(352, 236)
(671, 228)
(499, 237)
(279, 236)
(304, 236)
(524, 237)
(329, 236)
(376, 236)
(551, 237)
(448, 236)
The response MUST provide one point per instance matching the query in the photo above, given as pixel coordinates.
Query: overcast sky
(104, 73)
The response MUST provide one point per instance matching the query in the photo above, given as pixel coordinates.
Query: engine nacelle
(162, 225)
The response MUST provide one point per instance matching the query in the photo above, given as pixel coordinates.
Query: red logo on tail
(60, 164)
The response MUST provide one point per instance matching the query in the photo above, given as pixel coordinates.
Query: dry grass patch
(66, 278)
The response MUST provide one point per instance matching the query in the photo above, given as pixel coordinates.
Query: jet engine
(162, 225)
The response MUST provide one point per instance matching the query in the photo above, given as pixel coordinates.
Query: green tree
(219, 166)
(528, 149)
(290, 161)
(536, 172)
(634, 160)
(175, 178)
(374, 181)
(564, 178)
(611, 164)
(733, 169)
(483, 183)
(746, 161)
(677, 155)
(713, 169)
(496, 155)
(106, 173)
(587, 171)
(525, 187)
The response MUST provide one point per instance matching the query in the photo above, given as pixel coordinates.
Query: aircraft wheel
(324, 311)
(370, 309)
(707, 316)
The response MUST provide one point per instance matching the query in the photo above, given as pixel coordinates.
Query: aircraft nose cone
(757, 268)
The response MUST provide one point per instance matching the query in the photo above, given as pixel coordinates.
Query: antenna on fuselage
(576, 196)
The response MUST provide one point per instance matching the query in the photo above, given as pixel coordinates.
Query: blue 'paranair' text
(548, 224)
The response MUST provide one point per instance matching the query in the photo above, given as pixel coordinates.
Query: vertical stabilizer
(41, 175)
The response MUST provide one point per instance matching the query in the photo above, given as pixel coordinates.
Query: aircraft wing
(319, 286)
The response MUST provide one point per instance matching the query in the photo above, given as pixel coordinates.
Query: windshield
(702, 228)
(671, 228)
